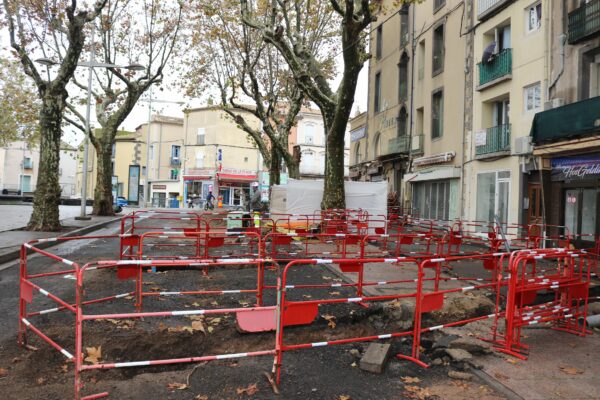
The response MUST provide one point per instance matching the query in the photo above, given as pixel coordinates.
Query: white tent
(304, 197)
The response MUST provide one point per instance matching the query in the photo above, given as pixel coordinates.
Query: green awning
(567, 122)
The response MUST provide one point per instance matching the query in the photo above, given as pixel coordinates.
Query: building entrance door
(581, 213)
(534, 213)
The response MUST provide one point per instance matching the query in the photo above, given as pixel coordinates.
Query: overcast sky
(139, 115)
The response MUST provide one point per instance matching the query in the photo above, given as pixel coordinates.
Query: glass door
(581, 213)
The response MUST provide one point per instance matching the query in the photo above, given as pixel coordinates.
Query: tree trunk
(103, 199)
(333, 191)
(292, 162)
(45, 215)
(275, 167)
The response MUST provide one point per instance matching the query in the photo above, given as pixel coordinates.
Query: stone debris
(375, 357)
(460, 375)
(472, 345)
(459, 355)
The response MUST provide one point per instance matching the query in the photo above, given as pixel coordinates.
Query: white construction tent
(304, 197)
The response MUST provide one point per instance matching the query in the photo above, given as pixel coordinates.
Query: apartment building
(563, 177)
(218, 156)
(309, 134)
(129, 166)
(509, 46)
(414, 124)
(165, 158)
(19, 163)
(358, 145)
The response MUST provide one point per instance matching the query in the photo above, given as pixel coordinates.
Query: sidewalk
(10, 241)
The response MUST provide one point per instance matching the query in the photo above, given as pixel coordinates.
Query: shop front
(575, 187)
(235, 186)
(196, 185)
(166, 194)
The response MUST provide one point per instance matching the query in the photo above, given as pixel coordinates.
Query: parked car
(121, 201)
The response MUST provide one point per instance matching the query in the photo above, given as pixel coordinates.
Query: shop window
(432, 199)
(493, 196)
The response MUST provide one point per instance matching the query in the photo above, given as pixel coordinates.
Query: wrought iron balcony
(399, 144)
(486, 8)
(500, 66)
(584, 21)
(175, 161)
(497, 139)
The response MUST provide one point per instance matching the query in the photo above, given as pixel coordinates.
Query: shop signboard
(576, 168)
(357, 134)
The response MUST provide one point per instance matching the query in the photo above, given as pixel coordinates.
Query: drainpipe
(413, 47)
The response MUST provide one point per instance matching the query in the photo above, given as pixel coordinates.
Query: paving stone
(375, 357)
(471, 345)
(459, 355)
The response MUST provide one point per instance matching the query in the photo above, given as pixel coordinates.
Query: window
(379, 44)
(174, 174)
(501, 112)
(175, 152)
(143, 170)
(403, 78)
(432, 199)
(492, 196)
(377, 99)
(199, 160)
(152, 152)
(437, 114)
(437, 4)
(309, 133)
(533, 17)
(438, 50)
(113, 151)
(404, 25)
(533, 99)
(402, 120)
(357, 154)
(376, 146)
(201, 136)
(421, 56)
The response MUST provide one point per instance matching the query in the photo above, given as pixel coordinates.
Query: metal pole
(86, 142)
(147, 199)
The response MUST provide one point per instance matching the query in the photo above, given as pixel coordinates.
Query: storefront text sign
(357, 134)
(576, 168)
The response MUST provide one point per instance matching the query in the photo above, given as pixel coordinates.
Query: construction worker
(255, 200)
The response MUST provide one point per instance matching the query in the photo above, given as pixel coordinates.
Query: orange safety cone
(220, 202)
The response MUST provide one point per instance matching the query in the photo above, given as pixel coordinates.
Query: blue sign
(358, 134)
(576, 168)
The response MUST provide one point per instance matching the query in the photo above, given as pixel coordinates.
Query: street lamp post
(90, 64)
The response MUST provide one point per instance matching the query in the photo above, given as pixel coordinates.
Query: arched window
(376, 146)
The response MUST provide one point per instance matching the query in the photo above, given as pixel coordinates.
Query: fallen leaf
(3, 372)
(330, 320)
(344, 397)
(64, 368)
(41, 381)
(512, 360)
(244, 303)
(201, 397)
(198, 326)
(307, 296)
(214, 303)
(196, 304)
(335, 293)
(410, 379)
(210, 329)
(177, 386)
(214, 321)
(93, 354)
(250, 390)
(498, 375)
(354, 364)
(15, 360)
(572, 370)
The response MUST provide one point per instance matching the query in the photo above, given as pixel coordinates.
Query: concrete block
(375, 357)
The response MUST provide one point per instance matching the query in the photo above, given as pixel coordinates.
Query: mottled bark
(45, 215)
(103, 199)
(275, 167)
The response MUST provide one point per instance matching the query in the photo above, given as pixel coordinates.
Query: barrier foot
(511, 353)
(95, 396)
(410, 358)
(363, 305)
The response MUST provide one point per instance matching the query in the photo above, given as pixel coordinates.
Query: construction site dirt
(327, 373)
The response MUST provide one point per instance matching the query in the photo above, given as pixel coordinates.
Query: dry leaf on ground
(177, 386)
(198, 326)
(40, 380)
(572, 370)
(498, 375)
(250, 390)
(3, 372)
(512, 360)
(344, 397)
(94, 354)
(410, 379)
(201, 397)
(330, 320)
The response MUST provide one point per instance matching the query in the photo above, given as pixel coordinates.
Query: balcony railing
(497, 139)
(487, 7)
(28, 164)
(584, 21)
(499, 66)
(399, 144)
(176, 162)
